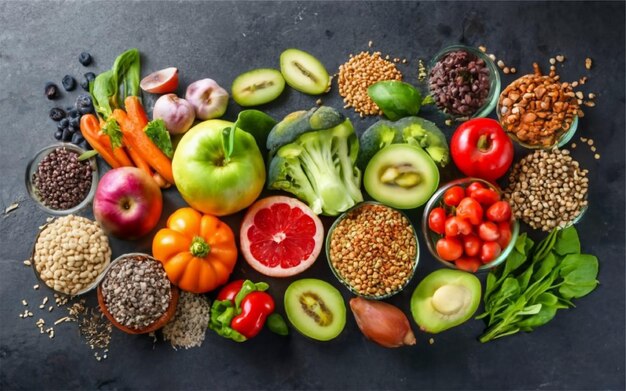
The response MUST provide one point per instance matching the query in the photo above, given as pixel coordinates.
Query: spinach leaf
(545, 267)
(568, 242)
(545, 314)
(545, 246)
(579, 273)
(531, 309)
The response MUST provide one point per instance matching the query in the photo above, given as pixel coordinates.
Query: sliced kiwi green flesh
(445, 299)
(315, 308)
(402, 176)
(304, 72)
(257, 87)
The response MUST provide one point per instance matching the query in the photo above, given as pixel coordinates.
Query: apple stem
(199, 247)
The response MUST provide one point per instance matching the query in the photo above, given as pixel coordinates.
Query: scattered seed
(590, 103)
(482, 48)
(492, 57)
(506, 70)
(318, 102)
(369, 44)
(591, 95)
(11, 208)
(500, 64)
(552, 61)
(560, 58)
(27, 262)
(24, 303)
(36, 286)
(593, 148)
(575, 84)
(596, 156)
(588, 63)
(431, 341)
(573, 145)
(448, 122)
(513, 70)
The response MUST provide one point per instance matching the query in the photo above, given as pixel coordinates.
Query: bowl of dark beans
(59, 182)
(464, 82)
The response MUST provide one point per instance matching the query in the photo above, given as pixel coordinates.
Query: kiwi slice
(445, 299)
(304, 72)
(402, 176)
(315, 308)
(257, 87)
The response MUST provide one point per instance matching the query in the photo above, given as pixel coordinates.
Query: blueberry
(69, 83)
(77, 138)
(90, 76)
(58, 135)
(68, 108)
(57, 114)
(85, 85)
(51, 90)
(67, 136)
(64, 122)
(73, 113)
(75, 122)
(61, 127)
(73, 129)
(83, 100)
(84, 58)
(85, 110)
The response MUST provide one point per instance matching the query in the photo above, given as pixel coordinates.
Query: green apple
(207, 180)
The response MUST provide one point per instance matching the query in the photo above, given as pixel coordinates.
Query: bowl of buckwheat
(538, 111)
(373, 250)
(464, 82)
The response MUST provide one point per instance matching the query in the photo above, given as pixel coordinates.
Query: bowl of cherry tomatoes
(468, 225)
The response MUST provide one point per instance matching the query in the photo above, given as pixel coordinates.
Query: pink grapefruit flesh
(281, 236)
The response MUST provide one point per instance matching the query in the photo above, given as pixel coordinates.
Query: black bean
(51, 90)
(57, 114)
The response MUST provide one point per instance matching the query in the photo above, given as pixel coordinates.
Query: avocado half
(402, 176)
(445, 299)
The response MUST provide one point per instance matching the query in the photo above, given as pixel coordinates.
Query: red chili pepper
(482, 149)
(255, 308)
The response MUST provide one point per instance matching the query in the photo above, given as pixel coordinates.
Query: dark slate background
(582, 348)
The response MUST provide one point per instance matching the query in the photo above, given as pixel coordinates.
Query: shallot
(382, 323)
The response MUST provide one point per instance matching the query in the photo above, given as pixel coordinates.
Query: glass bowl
(431, 237)
(565, 134)
(339, 275)
(157, 324)
(494, 82)
(87, 289)
(31, 168)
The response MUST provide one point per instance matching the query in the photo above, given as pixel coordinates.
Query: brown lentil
(61, 181)
(459, 83)
(360, 72)
(537, 109)
(547, 189)
(373, 249)
(588, 63)
(136, 291)
(70, 253)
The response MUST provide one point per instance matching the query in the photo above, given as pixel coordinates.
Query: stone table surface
(582, 348)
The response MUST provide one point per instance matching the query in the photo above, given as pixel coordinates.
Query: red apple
(160, 82)
(128, 203)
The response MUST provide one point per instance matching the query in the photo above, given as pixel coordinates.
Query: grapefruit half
(281, 236)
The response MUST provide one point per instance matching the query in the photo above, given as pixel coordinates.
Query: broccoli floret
(318, 166)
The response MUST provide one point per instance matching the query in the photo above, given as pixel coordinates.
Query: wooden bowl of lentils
(58, 182)
(373, 250)
(464, 82)
(136, 295)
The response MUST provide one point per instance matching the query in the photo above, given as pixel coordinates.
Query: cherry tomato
(437, 220)
(449, 249)
(453, 195)
(472, 245)
(488, 231)
(504, 228)
(470, 264)
(499, 212)
(485, 197)
(481, 148)
(473, 186)
(456, 226)
(470, 210)
(489, 251)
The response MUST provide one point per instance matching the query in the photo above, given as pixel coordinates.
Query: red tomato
(485, 197)
(471, 245)
(473, 186)
(470, 264)
(453, 195)
(504, 228)
(488, 231)
(499, 212)
(480, 148)
(449, 249)
(489, 251)
(470, 210)
(456, 226)
(437, 220)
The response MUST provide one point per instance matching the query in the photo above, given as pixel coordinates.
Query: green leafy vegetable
(87, 155)
(395, 98)
(112, 129)
(255, 122)
(535, 282)
(111, 87)
(157, 132)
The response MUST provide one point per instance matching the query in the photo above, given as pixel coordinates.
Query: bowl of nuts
(135, 294)
(70, 255)
(538, 112)
(58, 182)
(464, 82)
(373, 250)
(468, 225)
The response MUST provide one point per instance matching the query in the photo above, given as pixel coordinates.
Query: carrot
(90, 129)
(135, 138)
(135, 111)
(138, 160)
